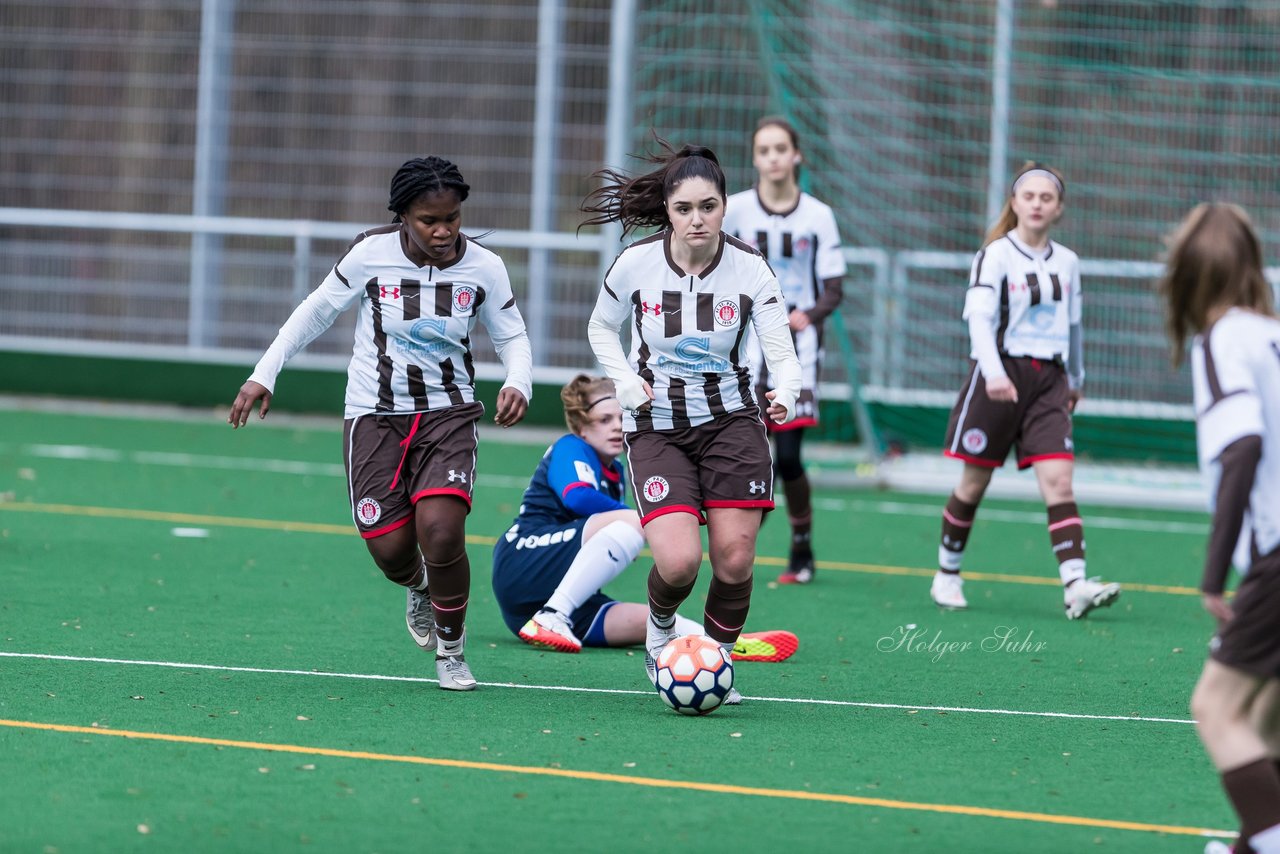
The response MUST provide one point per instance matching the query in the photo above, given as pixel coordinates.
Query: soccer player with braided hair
(696, 445)
(409, 438)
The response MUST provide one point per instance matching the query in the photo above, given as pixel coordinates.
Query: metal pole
(542, 199)
(618, 121)
(212, 106)
(1001, 61)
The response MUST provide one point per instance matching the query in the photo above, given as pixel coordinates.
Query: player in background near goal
(797, 235)
(1214, 289)
(1023, 311)
(575, 534)
(696, 446)
(420, 285)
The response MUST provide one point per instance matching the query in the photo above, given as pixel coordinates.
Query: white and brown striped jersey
(412, 347)
(1032, 297)
(687, 331)
(802, 245)
(1235, 371)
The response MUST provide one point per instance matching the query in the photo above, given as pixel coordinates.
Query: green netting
(1148, 108)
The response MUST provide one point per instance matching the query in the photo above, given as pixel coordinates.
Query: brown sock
(665, 598)
(1254, 790)
(957, 522)
(450, 585)
(1066, 533)
(800, 515)
(726, 609)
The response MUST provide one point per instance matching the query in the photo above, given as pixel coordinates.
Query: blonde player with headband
(1215, 290)
(1025, 379)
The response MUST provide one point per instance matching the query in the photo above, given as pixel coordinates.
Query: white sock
(685, 626)
(1268, 841)
(948, 559)
(446, 648)
(600, 560)
(1071, 570)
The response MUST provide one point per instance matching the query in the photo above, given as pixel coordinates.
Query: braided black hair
(424, 175)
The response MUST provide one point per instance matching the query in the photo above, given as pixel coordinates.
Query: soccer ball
(694, 675)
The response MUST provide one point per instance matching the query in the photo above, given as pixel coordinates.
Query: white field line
(581, 690)
(297, 467)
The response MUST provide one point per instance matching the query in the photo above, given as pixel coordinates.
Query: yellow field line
(651, 782)
(476, 540)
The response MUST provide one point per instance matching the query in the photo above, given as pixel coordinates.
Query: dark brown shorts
(394, 460)
(1251, 640)
(722, 463)
(982, 431)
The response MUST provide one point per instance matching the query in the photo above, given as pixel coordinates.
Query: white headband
(1038, 173)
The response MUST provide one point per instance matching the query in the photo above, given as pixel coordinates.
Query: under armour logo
(457, 475)
(388, 293)
(757, 486)
(653, 308)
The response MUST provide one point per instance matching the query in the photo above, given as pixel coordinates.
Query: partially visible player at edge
(696, 446)
(1025, 379)
(575, 534)
(410, 421)
(1214, 289)
(797, 234)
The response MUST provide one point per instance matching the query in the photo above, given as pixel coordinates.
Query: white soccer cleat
(948, 590)
(1086, 594)
(1217, 846)
(454, 673)
(733, 698)
(655, 639)
(420, 619)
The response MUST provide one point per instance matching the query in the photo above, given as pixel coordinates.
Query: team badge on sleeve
(656, 489)
(974, 440)
(464, 298)
(368, 511)
(726, 312)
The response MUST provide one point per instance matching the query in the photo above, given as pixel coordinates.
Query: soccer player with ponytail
(575, 534)
(1026, 375)
(696, 445)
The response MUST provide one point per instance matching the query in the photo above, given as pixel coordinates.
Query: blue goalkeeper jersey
(570, 483)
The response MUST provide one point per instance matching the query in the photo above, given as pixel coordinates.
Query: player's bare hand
(1073, 399)
(778, 413)
(1002, 390)
(250, 393)
(799, 320)
(1215, 604)
(512, 407)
